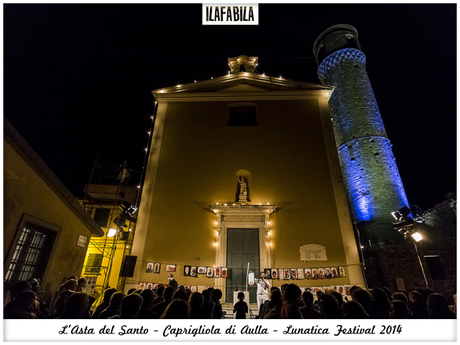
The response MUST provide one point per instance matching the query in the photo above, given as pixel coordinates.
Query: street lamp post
(406, 225)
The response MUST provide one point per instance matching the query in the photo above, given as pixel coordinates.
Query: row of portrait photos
(270, 273)
(342, 289)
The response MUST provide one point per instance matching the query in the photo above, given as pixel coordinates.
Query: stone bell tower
(371, 177)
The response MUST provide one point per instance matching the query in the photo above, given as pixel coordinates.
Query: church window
(242, 115)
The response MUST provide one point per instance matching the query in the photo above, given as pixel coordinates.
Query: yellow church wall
(195, 157)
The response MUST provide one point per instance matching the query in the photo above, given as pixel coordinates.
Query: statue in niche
(243, 195)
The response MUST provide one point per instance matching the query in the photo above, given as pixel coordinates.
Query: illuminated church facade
(259, 173)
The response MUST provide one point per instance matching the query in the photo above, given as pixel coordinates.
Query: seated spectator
(60, 303)
(268, 304)
(114, 307)
(364, 298)
(400, 296)
(159, 292)
(12, 291)
(381, 305)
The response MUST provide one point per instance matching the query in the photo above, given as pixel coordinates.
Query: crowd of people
(177, 302)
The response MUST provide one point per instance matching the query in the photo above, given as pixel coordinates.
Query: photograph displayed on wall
(340, 289)
(156, 267)
(194, 288)
(307, 272)
(224, 272)
(293, 273)
(281, 274)
(321, 273)
(334, 272)
(217, 272)
(193, 271)
(149, 267)
(274, 273)
(287, 273)
(315, 289)
(342, 272)
(170, 268)
(268, 273)
(300, 273)
(210, 272)
(327, 272)
(314, 273)
(141, 285)
(149, 286)
(201, 270)
(347, 289)
(186, 271)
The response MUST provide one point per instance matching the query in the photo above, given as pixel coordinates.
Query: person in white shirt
(263, 286)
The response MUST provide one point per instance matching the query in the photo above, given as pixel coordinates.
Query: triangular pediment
(242, 83)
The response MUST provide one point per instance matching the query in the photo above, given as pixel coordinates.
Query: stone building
(46, 231)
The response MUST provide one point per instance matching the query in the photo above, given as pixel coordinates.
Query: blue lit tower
(371, 178)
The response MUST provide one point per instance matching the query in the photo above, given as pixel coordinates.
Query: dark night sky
(77, 78)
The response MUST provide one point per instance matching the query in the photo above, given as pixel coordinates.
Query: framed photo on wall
(170, 268)
(186, 271)
(342, 272)
(268, 273)
(314, 273)
(327, 272)
(281, 274)
(307, 273)
(156, 267)
(334, 272)
(201, 270)
(293, 273)
(193, 271)
(224, 272)
(274, 273)
(149, 286)
(81, 241)
(300, 273)
(321, 273)
(287, 273)
(217, 272)
(141, 285)
(149, 267)
(210, 272)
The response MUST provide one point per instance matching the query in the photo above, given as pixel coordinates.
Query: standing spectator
(290, 310)
(240, 307)
(438, 307)
(130, 306)
(105, 302)
(168, 297)
(82, 284)
(146, 309)
(22, 307)
(308, 311)
(381, 305)
(216, 313)
(177, 309)
(417, 305)
(196, 305)
(277, 304)
(114, 307)
(400, 310)
(329, 307)
(353, 310)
